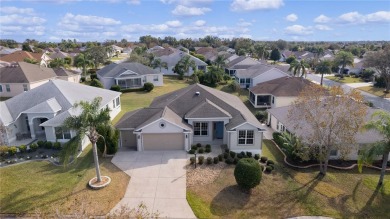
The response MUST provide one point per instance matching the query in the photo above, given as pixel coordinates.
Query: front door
(219, 130)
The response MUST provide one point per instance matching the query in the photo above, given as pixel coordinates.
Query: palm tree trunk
(96, 161)
(385, 157)
(322, 78)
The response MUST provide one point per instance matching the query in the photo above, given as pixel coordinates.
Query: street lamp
(195, 159)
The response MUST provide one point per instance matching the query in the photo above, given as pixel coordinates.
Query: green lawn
(375, 91)
(288, 193)
(39, 185)
(345, 80)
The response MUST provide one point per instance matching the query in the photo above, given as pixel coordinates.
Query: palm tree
(298, 67)
(220, 61)
(259, 50)
(343, 58)
(57, 63)
(83, 61)
(157, 63)
(324, 67)
(184, 65)
(213, 76)
(85, 124)
(381, 124)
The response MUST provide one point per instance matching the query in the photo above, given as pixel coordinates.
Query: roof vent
(197, 93)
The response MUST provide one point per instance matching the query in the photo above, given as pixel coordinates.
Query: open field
(345, 80)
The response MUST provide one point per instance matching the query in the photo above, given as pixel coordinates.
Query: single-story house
(278, 92)
(195, 114)
(39, 113)
(19, 56)
(278, 120)
(17, 78)
(173, 56)
(256, 74)
(58, 55)
(129, 75)
(241, 62)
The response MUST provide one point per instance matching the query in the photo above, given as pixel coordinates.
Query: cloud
(351, 17)
(298, 30)
(15, 10)
(357, 18)
(199, 23)
(322, 27)
(182, 10)
(292, 17)
(134, 2)
(243, 23)
(186, 2)
(322, 19)
(16, 19)
(250, 5)
(175, 23)
(380, 16)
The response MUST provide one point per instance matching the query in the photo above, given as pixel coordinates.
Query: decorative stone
(99, 185)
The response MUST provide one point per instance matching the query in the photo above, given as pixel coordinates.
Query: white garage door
(171, 141)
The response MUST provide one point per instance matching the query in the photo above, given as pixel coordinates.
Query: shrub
(115, 88)
(227, 78)
(96, 83)
(271, 165)
(208, 146)
(22, 148)
(33, 147)
(48, 145)
(192, 160)
(268, 169)
(247, 173)
(129, 90)
(220, 157)
(200, 151)
(263, 159)
(262, 116)
(225, 155)
(200, 160)
(240, 155)
(234, 86)
(111, 137)
(243, 154)
(232, 154)
(249, 154)
(41, 144)
(208, 150)
(82, 79)
(194, 147)
(257, 156)
(94, 76)
(3, 150)
(216, 160)
(227, 150)
(191, 151)
(57, 146)
(229, 160)
(235, 161)
(209, 160)
(12, 150)
(148, 86)
(199, 145)
(270, 162)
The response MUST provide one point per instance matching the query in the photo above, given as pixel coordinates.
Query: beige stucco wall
(17, 88)
(283, 101)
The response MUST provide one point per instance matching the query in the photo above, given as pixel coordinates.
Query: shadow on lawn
(229, 200)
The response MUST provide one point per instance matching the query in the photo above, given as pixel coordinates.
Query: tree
(213, 76)
(324, 67)
(327, 120)
(85, 124)
(157, 63)
(275, 55)
(259, 50)
(290, 59)
(298, 67)
(57, 63)
(380, 122)
(30, 60)
(84, 61)
(98, 55)
(343, 58)
(380, 61)
(247, 173)
(281, 44)
(96, 83)
(219, 62)
(184, 65)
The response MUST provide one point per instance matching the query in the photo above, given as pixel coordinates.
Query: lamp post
(195, 159)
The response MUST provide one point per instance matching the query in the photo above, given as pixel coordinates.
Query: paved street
(377, 101)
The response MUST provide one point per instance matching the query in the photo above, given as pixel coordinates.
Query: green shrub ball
(247, 173)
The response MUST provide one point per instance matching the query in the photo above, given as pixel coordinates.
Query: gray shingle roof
(281, 113)
(241, 61)
(23, 72)
(207, 109)
(65, 93)
(255, 71)
(114, 69)
(64, 72)
(48, 106)
(285, 86)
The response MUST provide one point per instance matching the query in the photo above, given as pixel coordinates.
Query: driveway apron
(158, 180)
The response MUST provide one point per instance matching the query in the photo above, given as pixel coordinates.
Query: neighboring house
(129, 75)
(19, 56)
(279, 121)
(256, 74)
(5, 51)
(357, 68)
(195, 114)
(241, 62)
(116, 50)
(208, 52)
(173, 56)
(22, 76)
(285, 54)
(39, 113)
(58, 55)
(278, 92)
(304, 55)
(127, 50)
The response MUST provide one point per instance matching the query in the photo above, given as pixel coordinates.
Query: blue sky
(311, 20)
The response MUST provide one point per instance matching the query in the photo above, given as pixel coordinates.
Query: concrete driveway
(158, 179)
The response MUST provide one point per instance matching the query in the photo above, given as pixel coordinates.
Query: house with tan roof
(20, 56)
(278, 92)
(20, 77)
(195, 114)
